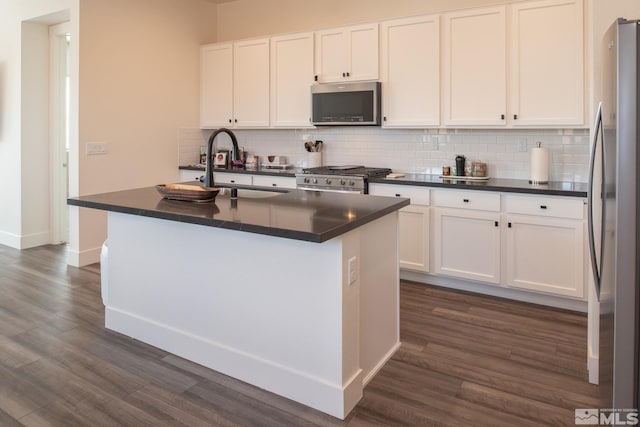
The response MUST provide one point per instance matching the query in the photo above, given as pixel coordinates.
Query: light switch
(352, 270)
(96, 148)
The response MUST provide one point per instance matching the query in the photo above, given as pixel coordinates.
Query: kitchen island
(295, 292)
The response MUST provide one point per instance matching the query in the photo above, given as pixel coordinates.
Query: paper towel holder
(539, 165)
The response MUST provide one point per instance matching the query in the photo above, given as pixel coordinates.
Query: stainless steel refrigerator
(613, 210)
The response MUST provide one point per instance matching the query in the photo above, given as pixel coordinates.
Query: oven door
(330, 190)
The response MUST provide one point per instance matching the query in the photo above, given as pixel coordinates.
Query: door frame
(58, 130)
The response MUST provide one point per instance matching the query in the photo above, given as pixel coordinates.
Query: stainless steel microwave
(342, 104)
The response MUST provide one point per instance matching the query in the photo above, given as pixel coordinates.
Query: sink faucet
(208, 172)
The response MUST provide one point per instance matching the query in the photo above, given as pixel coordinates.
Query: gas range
(340, 179)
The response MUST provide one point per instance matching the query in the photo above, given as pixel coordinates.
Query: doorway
(59, 91)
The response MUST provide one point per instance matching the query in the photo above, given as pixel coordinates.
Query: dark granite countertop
(557, 188)
(311, 216)
(554, 188)
(291, 172)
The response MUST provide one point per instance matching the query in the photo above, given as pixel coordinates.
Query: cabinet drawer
(189, 175)
(418, 195)
(274, 181)
(545, 206)
(232, 178)
(479, 200)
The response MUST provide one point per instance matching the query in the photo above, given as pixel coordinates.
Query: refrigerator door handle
(592, 160)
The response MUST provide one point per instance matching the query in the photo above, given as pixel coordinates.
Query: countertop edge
(498, 188)
(249, 228)
(270, 172)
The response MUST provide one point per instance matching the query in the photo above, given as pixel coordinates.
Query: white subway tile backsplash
(414, 150)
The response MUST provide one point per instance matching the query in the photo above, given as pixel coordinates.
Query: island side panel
(266, 310)
(379, 294)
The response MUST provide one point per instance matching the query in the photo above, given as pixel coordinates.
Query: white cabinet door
(291, 80)
(189, 175)
(467, 244)
(347, 54)
(216, 85)
(232, 178)
(413, 224)
(410, 72)
(546, 63)
(274, 181)
(363, 53)
(545, 255)
(474, 67)
(251, 83)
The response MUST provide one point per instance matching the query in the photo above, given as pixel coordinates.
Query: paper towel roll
(539, 165)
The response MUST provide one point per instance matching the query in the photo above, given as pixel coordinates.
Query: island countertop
(294, 214)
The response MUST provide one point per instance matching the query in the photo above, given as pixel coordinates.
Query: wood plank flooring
(466, 360)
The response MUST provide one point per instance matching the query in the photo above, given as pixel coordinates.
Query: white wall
(139, 71)
(139, 83)
(248, 18)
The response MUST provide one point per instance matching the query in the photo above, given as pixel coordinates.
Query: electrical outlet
(436, 143)
(96, 148)
(522, 145)
(352, 270)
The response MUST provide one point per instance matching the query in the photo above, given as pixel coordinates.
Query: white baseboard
(381, 363)
(9, 239)
(334, 399)
(495, 290)
(24, 241)
(35, 239)
(82, 258)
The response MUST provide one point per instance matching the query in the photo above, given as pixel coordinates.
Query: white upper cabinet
(474, 67)
(347, 54)
(410, 71)
(546, 63)
(251, 83)
(216, 85)
(234, 84)
(291, 80)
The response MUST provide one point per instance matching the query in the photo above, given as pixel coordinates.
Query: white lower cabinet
(545, 255)
(274, 181)
(190, 175)
(519, 241)
(413, 224)
(544, 244)
(232, 178)
(466, 244)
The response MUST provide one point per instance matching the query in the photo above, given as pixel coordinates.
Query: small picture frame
(220, 159)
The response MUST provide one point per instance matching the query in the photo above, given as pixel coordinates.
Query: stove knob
(342, 182)
(352, 183)
(315, 180)
(328, 181)
(306, 180)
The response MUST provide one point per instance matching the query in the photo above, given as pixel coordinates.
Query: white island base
(277, 313)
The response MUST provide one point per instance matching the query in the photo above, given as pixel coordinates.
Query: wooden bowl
(187, 193)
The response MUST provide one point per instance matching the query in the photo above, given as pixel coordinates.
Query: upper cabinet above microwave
(347, 54)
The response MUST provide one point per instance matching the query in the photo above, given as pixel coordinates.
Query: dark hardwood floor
(466, 360)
